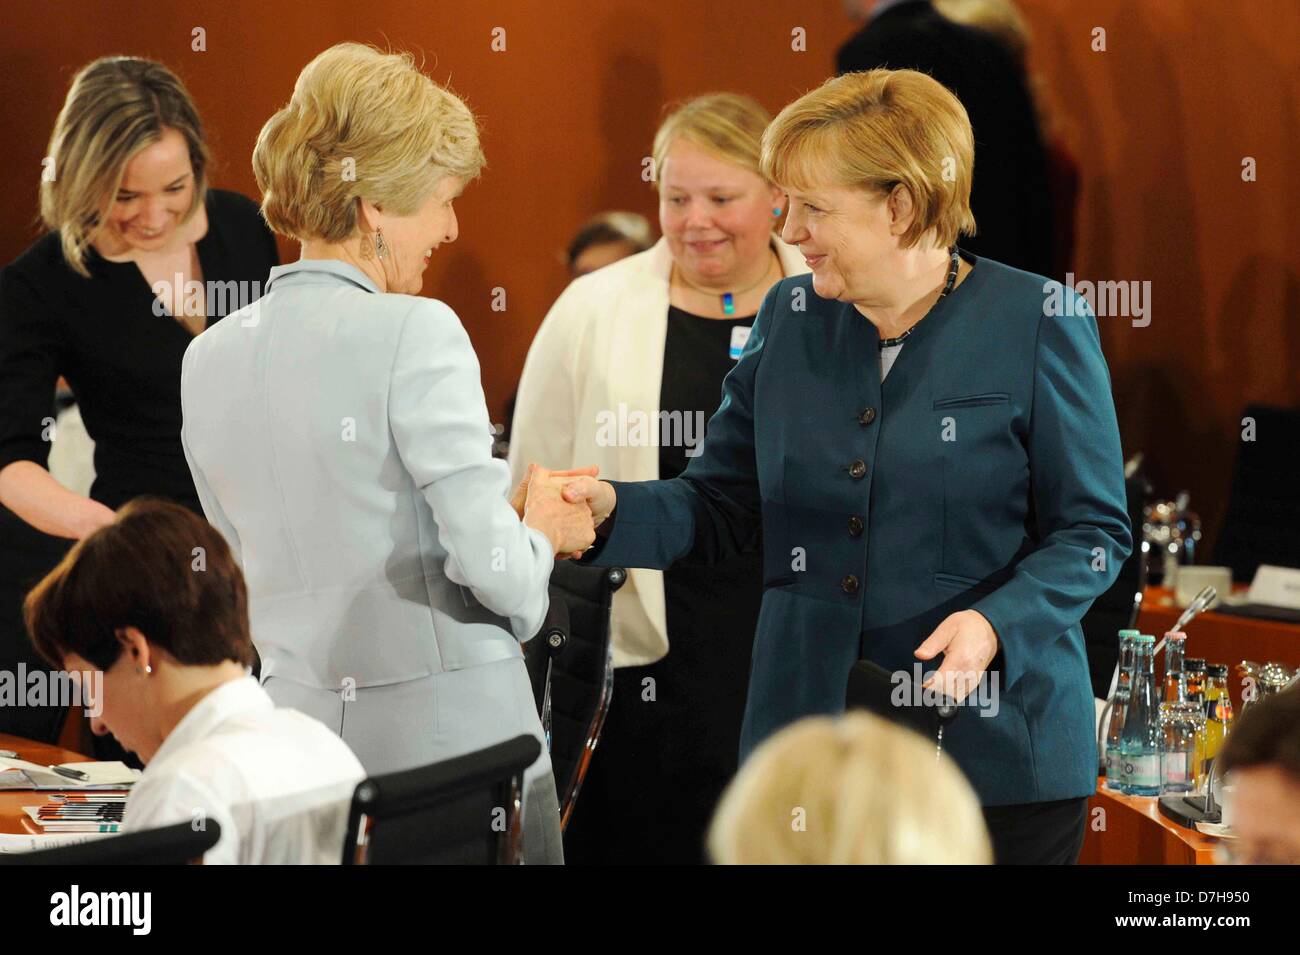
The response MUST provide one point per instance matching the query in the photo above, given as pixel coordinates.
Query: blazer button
(867, 416)
(855, 526)
(849, 584)
(857, 469)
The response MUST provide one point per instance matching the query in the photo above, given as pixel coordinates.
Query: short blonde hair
(728, 125)
(876, 131)
(361, 124)
(849, 791)
(116, 107)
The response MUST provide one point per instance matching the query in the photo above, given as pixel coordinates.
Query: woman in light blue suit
(339, 438)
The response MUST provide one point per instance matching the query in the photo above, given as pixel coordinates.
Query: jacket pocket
(973, 401)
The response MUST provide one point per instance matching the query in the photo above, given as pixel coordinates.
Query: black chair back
(571, 669)
(462, 811)
(1263, 514)
(180, 844)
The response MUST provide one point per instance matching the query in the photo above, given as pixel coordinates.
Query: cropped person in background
(1010, 198)
(128, 612)
(606, 238)
(338, 437)
(128, 209)
(653, 336)
(1002, 20)
(1262, 754)
(855, 790)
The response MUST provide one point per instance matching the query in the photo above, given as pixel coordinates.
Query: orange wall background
(1160, 123)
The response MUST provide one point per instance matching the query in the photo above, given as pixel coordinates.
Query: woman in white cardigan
(624, 373)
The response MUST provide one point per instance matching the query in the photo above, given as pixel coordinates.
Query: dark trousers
(1037, 833)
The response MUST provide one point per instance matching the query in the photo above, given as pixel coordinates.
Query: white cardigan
(600, 347)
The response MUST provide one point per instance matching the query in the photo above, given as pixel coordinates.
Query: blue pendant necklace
(728, 298)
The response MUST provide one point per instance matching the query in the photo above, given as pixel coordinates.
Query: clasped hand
(541, 504)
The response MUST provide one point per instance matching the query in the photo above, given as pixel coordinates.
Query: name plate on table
(1276, 587)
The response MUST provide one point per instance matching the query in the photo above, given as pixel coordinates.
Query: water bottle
(1140, 740)
(1180, 721)
(1175, 681)
(1111, 724)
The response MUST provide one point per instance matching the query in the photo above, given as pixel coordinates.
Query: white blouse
(279, 783)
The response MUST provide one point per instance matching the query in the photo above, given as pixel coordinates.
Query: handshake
(566, 506)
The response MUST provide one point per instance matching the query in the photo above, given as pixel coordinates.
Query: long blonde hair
(116, 107)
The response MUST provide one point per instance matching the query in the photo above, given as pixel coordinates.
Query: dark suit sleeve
(31, 355)
(1077, 474)
(712, 511)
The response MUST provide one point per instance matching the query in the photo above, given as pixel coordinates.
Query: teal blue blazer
(984, 473)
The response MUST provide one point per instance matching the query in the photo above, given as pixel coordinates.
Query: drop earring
(381, 247)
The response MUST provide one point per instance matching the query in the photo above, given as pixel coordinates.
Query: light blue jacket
(339, 439)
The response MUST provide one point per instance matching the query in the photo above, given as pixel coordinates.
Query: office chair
(570, 665)
(180, 844)
(462, 811)
(1262, 523)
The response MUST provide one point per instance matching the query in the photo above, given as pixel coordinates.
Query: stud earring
(776, 211)
(144, 670)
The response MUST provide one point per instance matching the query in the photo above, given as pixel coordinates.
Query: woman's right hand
(568, 526)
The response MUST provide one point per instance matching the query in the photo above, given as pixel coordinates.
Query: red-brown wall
(1160, 123)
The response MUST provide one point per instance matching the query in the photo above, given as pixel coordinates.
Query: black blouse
(122, 361)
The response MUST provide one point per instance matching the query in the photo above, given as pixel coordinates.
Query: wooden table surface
(12, 818)
(1129, 830)
(1222, 638)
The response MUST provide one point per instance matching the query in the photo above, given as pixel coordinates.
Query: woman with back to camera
(655, 334)
(928, 443)
(127, 203)
(339, 439)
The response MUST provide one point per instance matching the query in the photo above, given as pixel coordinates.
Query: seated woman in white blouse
(150, 614)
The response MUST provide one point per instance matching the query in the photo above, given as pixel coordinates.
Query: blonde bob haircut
(116, 107)
(877, 131)
(362, 123)
(728, 125)
(855, 790)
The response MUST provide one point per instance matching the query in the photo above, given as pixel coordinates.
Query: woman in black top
(97, 301)
(655, 334)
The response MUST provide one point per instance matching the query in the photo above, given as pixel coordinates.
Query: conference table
(12, 818)
(1128, 829)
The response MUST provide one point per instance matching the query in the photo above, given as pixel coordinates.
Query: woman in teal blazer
(927, 443)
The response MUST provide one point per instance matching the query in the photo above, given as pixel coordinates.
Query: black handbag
(894, 697)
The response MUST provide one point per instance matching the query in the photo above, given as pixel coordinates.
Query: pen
(70, 773)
